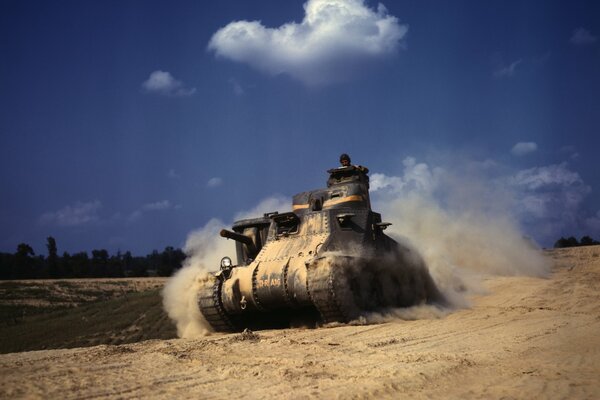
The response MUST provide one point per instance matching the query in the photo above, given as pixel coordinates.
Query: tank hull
(327, 261)
(326, 288)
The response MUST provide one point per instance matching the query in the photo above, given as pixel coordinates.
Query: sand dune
(527, 338)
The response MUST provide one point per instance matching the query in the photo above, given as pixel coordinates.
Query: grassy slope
(128, 318)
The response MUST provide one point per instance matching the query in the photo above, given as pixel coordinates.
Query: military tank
(328, 260)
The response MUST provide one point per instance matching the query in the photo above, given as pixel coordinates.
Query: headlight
(226, 263)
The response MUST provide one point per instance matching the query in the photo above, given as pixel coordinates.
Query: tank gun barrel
(238, 237)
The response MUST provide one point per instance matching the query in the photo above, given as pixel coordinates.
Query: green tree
(52, 260)
(81, 264)
(588, 241)
(7, 266)
(170, 260)
(561, 243)
(99, 263)
(115, 265)
(67, 265)
(24, 261)
(572, 241)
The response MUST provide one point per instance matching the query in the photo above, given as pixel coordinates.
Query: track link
(211, 307)
(321, 279)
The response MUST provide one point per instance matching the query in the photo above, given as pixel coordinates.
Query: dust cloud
(462, 224)
(181, 303)
(204, 249)
(463, 227)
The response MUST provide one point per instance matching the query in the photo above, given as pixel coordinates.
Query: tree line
(24, 264)
(572, 241)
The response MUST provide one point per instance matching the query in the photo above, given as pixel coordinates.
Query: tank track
(211, 307)
(323, 283)
(342, 292)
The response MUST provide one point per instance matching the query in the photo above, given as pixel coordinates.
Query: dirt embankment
(47, 294)
(50, 314)
(527, 338)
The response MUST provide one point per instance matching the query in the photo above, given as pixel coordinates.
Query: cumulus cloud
(557, 175)
(507, 71)
(335, 38)
(549, 198)
(582, 37)
(523, 148)
(417, 177)
(214, 182)
(150, 207)
(544, 201)
(163, 83)
(73, 215)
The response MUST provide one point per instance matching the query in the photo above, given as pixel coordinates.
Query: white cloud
(549, 198)
(162, 82)
(381, 181)
(333, 40)
(159, 205)
(73, 215)
(507, 71)
(523, 148)
(214, 182)
(416, 177)
(551, 175)
(545, 200)
(582, 37)
(149, 207)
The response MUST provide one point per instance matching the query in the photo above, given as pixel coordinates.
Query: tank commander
(346, 162)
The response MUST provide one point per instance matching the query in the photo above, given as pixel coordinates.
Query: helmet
(345, 156)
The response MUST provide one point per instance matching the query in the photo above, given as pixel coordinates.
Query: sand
(527, 338)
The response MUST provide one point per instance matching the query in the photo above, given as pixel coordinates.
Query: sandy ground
(528, 338)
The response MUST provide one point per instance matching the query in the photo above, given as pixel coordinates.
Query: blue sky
(128, 124)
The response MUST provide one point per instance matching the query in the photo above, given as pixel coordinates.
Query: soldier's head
(345, 160)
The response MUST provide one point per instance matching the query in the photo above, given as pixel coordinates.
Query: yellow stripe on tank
(333, 202)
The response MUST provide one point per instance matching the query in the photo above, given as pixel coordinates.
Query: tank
(327, 260)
